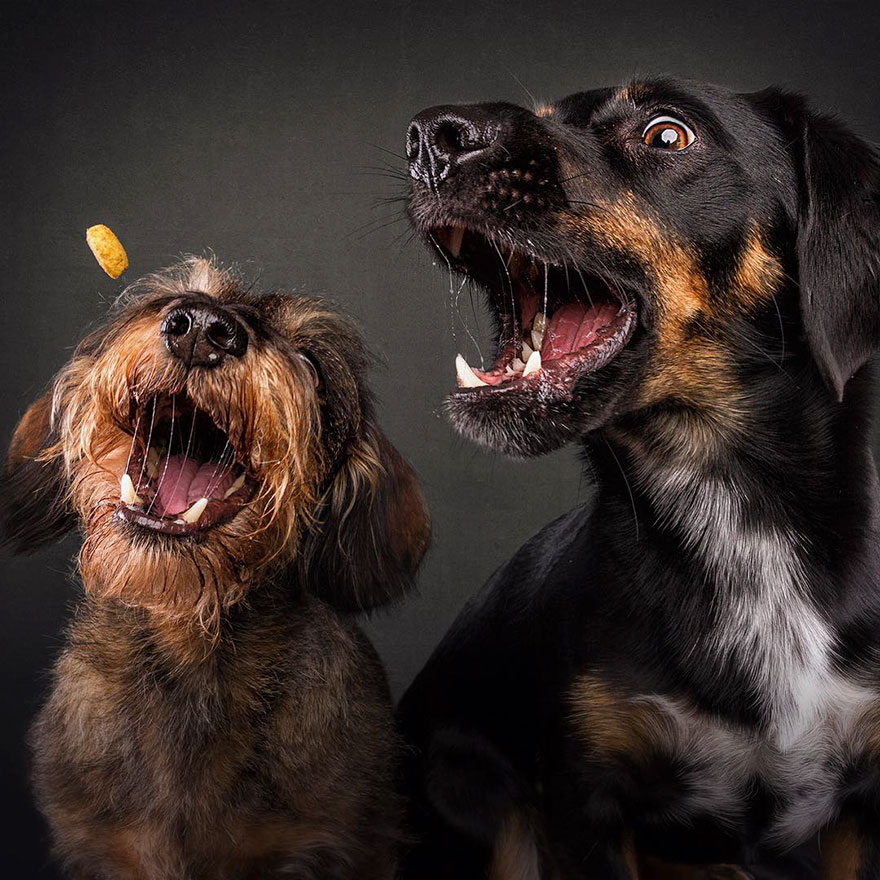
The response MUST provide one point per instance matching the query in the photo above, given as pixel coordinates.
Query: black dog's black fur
(688, 668)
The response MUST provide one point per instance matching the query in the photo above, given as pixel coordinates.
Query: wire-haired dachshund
(215, 713)
(686, 282)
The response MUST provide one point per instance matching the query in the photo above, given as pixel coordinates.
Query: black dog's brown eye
(667, 133)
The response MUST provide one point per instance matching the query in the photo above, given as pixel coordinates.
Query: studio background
(265, 131)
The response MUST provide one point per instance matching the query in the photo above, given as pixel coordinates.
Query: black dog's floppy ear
(372, 532)
(33, 487)
(838, 243)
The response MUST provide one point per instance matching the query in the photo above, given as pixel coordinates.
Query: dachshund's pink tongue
(183, 480)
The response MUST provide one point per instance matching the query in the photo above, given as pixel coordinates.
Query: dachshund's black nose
(440, 138)
(203, 335)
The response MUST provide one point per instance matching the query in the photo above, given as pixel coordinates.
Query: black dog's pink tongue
(184, 480)
(574, 326)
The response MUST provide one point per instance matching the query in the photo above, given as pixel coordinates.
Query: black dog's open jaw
(557, 323)
(184, 474)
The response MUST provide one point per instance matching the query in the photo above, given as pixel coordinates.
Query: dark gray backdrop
(259, 130)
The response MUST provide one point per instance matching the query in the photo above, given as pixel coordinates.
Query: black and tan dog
(686, 282)
(213, 715)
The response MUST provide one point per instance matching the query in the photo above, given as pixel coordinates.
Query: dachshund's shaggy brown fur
(213, 715)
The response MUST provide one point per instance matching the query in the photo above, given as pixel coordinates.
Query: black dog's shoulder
(507, 604)
(491, 669)
(520, 585)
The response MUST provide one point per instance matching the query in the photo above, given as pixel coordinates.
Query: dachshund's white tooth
(533, 364)
(526, 350)
(127, 493)
(239, 482)
(540, 323)
(192, 515)
(467, 378)
(537, 340)
(455, 238)
(518, 365)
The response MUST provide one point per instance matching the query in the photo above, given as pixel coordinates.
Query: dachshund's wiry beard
(271, 416)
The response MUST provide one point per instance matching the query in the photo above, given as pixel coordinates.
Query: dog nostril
(455, 138)
(450, 138)
(228, 336)
(177, 323)
(202, 335)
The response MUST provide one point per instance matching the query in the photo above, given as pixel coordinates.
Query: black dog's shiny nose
(442, 137)
(203, 335)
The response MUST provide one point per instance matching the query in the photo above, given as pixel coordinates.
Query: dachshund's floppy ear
(372, 532)
(838, 242)
(33, 487)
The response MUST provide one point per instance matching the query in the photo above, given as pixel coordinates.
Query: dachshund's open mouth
(556, 322)
(184, 474)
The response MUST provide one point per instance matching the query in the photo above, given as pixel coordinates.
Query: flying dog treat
(108, 250)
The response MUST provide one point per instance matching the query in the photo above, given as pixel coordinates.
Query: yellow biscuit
(108, 250)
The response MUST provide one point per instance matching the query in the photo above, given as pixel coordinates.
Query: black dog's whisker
(378, 227)
(464, 322)
(389, 152)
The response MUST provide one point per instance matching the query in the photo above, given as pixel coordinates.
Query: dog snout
(203, 335)
(441, 138)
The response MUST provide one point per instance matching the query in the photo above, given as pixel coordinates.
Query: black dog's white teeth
(533, 339)
(527, 362)
(467, 378)
(533, 364)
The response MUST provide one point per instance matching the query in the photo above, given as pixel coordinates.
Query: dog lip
(448, 236)
(555, 377)
(217, 512)
(183, 475)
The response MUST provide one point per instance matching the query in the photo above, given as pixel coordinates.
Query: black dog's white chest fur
(769, 627)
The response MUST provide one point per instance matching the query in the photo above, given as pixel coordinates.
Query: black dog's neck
(760, 549)
(797, 461)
